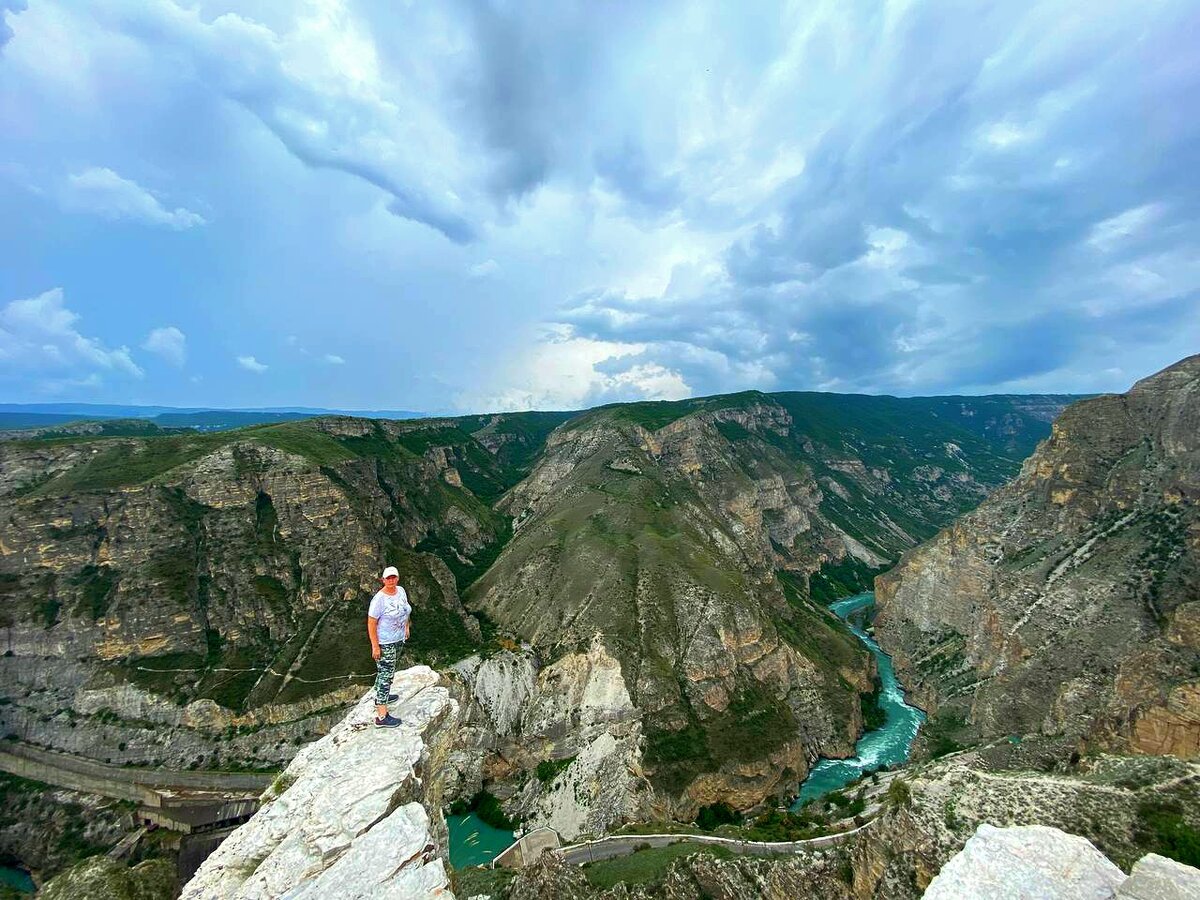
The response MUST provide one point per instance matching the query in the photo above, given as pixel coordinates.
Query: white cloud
(567, 372)
(104, 193)
(317, 86)
(485, 269)
(39, 337)
(250, 364)
(170, 343)
(1115, 230)
(334, 360)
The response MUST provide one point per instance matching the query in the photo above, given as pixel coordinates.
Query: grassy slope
(623, 552)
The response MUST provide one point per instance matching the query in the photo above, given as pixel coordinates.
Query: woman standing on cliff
(387, 627)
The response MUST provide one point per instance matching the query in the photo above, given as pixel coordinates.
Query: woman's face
(391, 581)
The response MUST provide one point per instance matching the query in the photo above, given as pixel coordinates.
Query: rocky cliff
(196, 600)
(1118, 815)
(167, 599)
(1068, 603)
(692, 540)
(356, 814)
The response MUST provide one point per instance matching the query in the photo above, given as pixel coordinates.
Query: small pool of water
(886, 746)
(12, 877)
(473, 842)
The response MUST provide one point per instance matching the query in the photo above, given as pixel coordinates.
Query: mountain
(696, 540)
(1068, 603)
(196, 599)
(45, 420)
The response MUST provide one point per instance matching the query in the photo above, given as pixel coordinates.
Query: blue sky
(471, 206)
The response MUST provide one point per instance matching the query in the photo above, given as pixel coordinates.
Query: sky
(469, 207)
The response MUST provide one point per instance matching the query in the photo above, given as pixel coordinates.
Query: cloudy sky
(470, 206)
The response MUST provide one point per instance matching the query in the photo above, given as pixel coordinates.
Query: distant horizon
(68, 407)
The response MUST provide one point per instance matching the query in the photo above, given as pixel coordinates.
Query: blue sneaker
(388, 721)
(392, 698)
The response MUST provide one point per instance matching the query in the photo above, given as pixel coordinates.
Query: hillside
(1067, 603)
(195, 599)
(697, 541)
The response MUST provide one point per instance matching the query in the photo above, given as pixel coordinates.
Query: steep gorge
(194, 600)
(1068, 604)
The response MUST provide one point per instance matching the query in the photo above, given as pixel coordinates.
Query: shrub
(899, 794)
(717, 814)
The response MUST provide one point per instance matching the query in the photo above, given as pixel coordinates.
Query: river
(886, 746)
(474, 843)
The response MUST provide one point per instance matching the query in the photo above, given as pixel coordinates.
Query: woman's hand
(376, 652)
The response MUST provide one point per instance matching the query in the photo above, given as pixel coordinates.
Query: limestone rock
(1064, 605)
(1026, 863)
(1155, 877)
(351, 815)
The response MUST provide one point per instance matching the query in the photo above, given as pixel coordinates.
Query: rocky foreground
(1112, 815)
(357, 814)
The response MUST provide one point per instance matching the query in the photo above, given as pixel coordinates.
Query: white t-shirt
(392, 612)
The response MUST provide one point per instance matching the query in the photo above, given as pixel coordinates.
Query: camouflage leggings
(385, 668)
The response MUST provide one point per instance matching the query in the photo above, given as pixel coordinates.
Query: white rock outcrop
(1030, 862)
(1035, 862)
(348, 819)
(576, 711)
(1155, 877)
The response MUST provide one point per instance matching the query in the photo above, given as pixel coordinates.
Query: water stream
(886, 746)
(474, 843)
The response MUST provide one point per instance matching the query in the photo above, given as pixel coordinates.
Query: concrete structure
(527, 848)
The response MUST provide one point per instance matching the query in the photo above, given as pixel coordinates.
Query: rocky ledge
(1036, 861)
(356, 814)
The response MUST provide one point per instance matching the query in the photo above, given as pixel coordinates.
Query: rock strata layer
(1066, 604)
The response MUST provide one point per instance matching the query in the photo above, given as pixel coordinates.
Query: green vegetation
(645, 866)
(753, 726)
(677, 756)
(96, 585)
(549, 769)
(488, 809)
(873, 714)
(834, 581)
(126, 463)
(716, 814)
(942, 732)
(1163, 829)
(475, 881)
(61, 826)
(899, 794)
(776, 825)
(300, 438)
(950, 815)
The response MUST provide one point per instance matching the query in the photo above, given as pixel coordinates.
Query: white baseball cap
(390, 570)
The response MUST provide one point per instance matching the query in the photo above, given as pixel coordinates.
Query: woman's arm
(373, 634)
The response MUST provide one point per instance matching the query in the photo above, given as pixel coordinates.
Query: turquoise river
(472, 843)
(883, 747)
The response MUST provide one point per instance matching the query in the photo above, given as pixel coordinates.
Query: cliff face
(197, 599)
(356, 814)
(214, 585)
(576, 713)
(1126, 807)
(1068, 603)
(657, 531)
